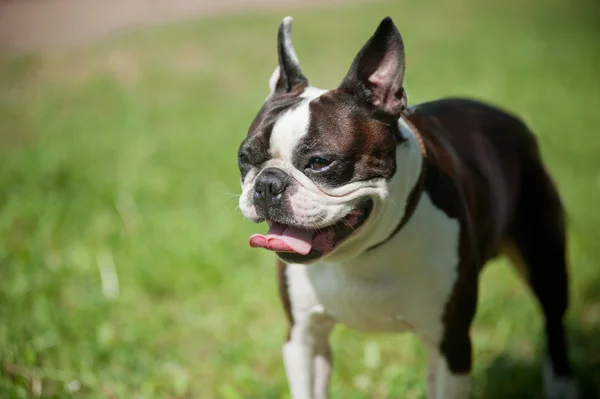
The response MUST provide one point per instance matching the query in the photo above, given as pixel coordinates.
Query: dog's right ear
(288, 75)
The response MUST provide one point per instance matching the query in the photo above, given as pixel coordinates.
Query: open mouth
(296, 244)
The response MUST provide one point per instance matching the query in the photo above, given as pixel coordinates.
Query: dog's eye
(243, 160)
(319, 164)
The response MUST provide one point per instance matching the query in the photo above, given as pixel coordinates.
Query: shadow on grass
(508, 377)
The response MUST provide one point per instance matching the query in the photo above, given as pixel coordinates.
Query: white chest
(405, 284)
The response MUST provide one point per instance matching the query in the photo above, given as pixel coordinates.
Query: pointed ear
(288, 75)
(377, 73)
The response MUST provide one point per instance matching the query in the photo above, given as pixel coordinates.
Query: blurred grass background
(124, 265)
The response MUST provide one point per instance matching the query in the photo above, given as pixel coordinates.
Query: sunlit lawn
(124, 265)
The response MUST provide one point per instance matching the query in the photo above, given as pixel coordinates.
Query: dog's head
(316, 164)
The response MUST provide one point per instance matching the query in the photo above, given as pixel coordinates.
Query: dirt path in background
(49, 24)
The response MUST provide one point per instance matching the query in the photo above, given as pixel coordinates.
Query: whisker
(394, 202)
(314, 226)
(231, 194)
(347, 223)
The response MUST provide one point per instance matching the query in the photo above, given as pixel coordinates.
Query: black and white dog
(383, 215)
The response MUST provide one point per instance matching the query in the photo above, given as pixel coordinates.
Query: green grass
(122, 154)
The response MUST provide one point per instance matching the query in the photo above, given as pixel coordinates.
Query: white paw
(558, 387)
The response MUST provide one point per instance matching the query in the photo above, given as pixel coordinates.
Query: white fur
(287, 132)
(292, 126)
(432, 372)
(297, 359)
(405, 284)
(558, 387)
(306, 355)
(273, 80)
(448, 385)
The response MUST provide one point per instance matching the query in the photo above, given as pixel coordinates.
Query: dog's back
(494, 161)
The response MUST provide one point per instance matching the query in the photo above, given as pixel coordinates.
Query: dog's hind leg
(537, 247)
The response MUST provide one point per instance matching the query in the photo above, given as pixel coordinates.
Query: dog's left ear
(377, 73)
(288, 75)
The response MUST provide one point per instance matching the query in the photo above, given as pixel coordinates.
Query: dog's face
(316, 164)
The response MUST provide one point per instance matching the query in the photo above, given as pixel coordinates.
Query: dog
(382, 215)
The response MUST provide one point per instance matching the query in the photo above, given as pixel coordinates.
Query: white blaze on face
(291, 127)
(287, 132)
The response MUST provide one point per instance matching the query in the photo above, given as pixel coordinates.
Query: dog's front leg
(450, 356)
(307, 358)
(442, 383)
(297, 358)
(322, 359)
(432, 373)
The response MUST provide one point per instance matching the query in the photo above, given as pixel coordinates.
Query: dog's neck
(409, 166)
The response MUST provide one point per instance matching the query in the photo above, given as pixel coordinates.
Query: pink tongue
(281, 238)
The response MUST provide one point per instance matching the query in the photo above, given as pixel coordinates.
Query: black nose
(269, 187)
